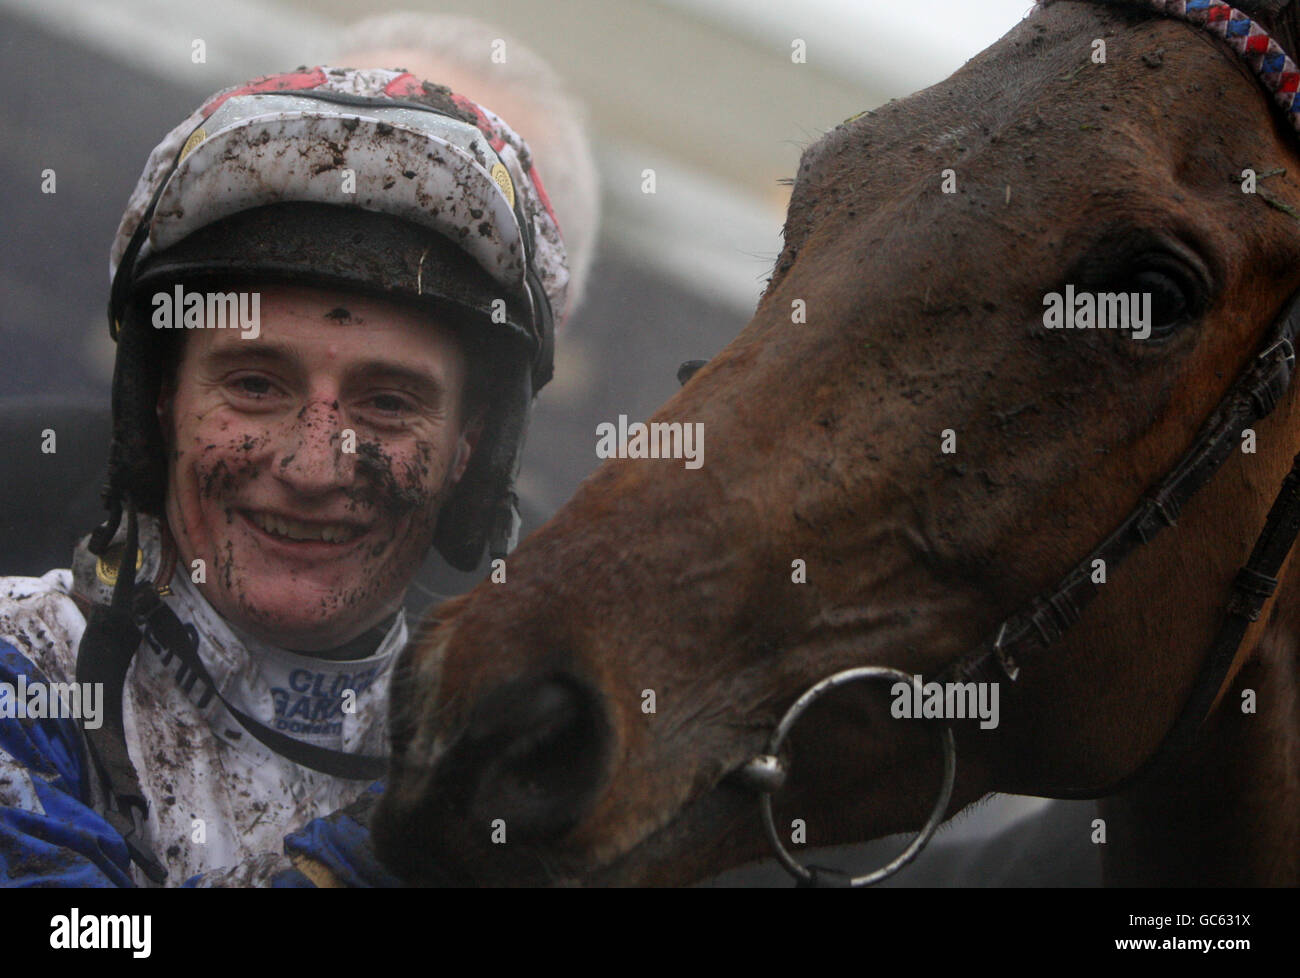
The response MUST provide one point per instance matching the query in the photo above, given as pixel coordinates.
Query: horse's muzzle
(527, 766)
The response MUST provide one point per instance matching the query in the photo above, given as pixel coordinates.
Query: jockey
(334, 295)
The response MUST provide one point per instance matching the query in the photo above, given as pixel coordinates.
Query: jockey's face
(307, 465)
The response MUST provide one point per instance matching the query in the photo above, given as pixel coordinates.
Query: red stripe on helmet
(289, 82)
(404, 85)
(536, 178)
(494, 138)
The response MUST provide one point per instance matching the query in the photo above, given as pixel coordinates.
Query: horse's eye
(1144, 280)
(1171, 302)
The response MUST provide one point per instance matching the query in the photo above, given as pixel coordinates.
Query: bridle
(1018, 641)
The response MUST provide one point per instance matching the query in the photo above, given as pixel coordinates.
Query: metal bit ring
(765, 774)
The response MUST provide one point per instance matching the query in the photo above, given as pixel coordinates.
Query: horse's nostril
(533, 755)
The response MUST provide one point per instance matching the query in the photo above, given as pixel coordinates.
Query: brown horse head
(898, 454)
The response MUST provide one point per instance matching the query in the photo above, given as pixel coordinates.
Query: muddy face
(924, 448)
(307, 465)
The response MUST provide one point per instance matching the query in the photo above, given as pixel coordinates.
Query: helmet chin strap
(104, 656)
(504, 536)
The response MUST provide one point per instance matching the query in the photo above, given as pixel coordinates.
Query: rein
(1018, 641)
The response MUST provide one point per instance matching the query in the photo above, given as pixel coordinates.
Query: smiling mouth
(297, 531)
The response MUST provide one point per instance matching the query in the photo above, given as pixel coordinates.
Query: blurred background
(704, 92)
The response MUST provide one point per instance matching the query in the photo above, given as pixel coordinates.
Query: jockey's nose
(534, 754)
(317, 452)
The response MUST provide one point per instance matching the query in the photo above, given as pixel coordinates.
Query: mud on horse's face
(826, 441)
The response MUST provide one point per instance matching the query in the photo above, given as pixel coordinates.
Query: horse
(910, 474)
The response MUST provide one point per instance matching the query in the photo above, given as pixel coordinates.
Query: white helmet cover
(275, 140)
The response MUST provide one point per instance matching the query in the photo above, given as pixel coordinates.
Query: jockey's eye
(252, 386)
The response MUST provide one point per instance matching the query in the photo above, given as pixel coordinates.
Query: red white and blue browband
(1277, 72)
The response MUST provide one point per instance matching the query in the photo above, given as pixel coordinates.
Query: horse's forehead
(1033, 71)
(987, 91)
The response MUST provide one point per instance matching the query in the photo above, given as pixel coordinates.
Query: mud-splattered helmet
(370, 180)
